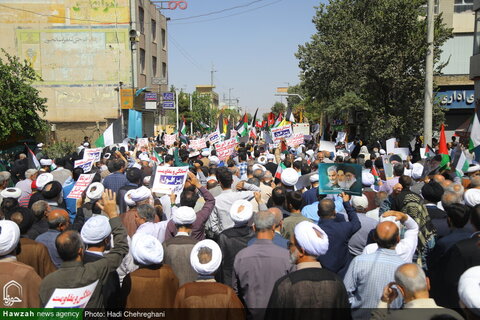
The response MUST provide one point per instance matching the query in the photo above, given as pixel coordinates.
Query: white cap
(146, 249)
(95, 191)
(46, 162)
(314, 178)
(469, 289)
(193, 154)
(184, 215)
(311, 238)
(43, 179)
(13, 193)
(417, 171)
(96, 229)
(258, 166)
(128, 198)
(289, 177)
(262, 160)
(472, 197)
(270, 156)
(144, 157)
(360, 201)
(205, 153)
(214, 160)
(140, 194)
(473, 168)
(241, 211)
(211, 266)
(367, 179)
(9, 236)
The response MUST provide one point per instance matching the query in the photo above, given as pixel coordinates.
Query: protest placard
(225, 148)
(341, 137)
(340, 177)
(327, 146)
(71, 297)
(391, 145)
(81, 185)
(402, 152)
(169, 179)
(142, 142)
(169, 139)
(233, 133)
(281, 132)
(214, 137)
(94, 154)
(198, 144)
(86, 165)
(295, 140)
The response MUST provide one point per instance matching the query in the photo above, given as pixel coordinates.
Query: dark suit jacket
(462, 256)
(439, 220)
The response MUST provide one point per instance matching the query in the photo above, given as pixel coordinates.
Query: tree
(369, 56)
(20, 103)
(202, 113)
(278, 107)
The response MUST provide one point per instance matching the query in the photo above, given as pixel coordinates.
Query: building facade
(455, 88)
(89, 59)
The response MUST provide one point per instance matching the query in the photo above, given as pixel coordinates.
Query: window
(462, 6)
(164, 70)
(154, 66)
(164, 39)
(141, 18)
(435, 9)
(154, 30)
(142, 61)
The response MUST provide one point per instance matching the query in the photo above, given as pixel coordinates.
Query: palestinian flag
(33, 162)
(280, 169)
(442, 148)
(462, 165)
(474, 142)
(111, 136)
(429, 152)
(375, 174)
(260, 124)
(271, 119)
(254, 120)
(183, 126)
(253, 133)
(242, 127)
(279, 120)
(290, 117)
(156, 157)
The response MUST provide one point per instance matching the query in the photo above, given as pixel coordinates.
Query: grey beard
(293, 257)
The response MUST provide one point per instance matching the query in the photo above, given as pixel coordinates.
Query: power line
(219, 11)
(228, 16)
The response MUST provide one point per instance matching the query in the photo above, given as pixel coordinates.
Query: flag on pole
(429, 152)
(280, 169)
(33, 162)
(442, 148)
(375, 174)
(253, 133)
(225, 126)
(279, 120)
(290, 117)
(156, 157)
(111, 136)
(242, 127)
(183, 126)
(462, 165)
(474, 142)
(271, 119)
(252, 124)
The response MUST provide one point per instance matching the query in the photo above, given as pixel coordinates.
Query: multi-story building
(455, 88)
(92, 56)
(207, 90)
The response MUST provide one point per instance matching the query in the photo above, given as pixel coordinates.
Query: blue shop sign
(456, 99)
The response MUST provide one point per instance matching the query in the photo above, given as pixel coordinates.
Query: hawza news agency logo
(12, 293)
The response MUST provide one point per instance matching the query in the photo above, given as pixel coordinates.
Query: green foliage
(59, 149)
(369, 56)
(20, 103)
(202, 113)
(278, 107)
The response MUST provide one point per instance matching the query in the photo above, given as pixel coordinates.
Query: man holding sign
(73, 274)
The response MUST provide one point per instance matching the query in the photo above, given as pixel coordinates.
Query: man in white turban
(205, 294)
(153, 284)
(96, 236)
(469, 292)
(234, 239)
(177, 249)
(134, 199)
(20, 282)
(320, 287)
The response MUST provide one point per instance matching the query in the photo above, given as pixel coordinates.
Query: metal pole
(428, 102)
(191, 115)
(176, 107)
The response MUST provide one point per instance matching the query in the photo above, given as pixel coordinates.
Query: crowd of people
(250, 236)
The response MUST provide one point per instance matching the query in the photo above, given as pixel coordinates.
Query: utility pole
(191, 116)
(428, 102)
(211, 75)
(176, 107)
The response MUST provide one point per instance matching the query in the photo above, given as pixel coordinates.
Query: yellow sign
(282, 90)
(126, 98)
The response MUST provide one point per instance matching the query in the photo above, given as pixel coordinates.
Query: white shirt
(406, 247)
(156, 229)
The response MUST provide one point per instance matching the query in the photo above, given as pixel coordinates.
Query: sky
(252, 48)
